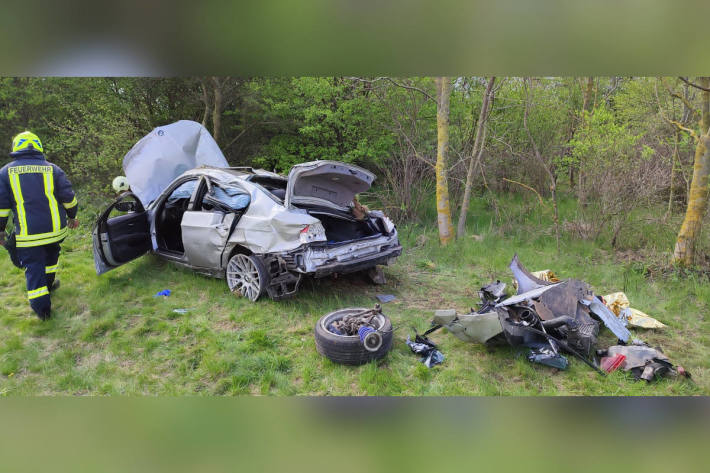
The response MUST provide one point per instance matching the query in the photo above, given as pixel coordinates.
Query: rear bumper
(348, 257)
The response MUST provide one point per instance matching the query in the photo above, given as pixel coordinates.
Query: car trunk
(340, 227)
(326, 184)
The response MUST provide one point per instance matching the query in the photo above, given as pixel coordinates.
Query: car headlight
(312, 232)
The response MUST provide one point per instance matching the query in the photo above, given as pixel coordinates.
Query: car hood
(167, 152)
(326, 183)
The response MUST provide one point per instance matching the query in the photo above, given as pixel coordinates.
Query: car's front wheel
(247, 275)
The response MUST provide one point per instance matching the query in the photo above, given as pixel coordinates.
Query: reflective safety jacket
(40, 197)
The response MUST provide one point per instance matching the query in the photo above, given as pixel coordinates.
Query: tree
(477, 150)
(689, 234)
(443, 206)
(548, 167)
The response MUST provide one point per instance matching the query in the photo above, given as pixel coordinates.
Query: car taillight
(312, 232)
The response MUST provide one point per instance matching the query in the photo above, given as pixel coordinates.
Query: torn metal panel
(526, 281)
(474, 327)
(528, 295)
(492, 291)
(612, 322)
(563, 298)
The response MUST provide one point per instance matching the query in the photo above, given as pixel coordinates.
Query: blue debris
(423, 346)
(384, 298)
(164, 292)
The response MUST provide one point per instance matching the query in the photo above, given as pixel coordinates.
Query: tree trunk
(206, 102)
(443, 206)
(674, 161)
(586, 107)
(689, 234)
(477, 150)
(217, 112)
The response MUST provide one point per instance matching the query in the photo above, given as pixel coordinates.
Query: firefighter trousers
(40, 265)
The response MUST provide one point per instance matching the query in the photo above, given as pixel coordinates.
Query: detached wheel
(348, 349)
(247, 276)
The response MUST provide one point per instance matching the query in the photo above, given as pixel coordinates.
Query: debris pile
(551, 317)
(352, 323)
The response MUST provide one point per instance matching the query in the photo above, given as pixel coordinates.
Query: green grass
(110, 336)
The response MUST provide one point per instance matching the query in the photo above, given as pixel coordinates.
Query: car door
(209, 222)
(121, 238)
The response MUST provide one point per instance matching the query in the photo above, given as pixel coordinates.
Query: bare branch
(683, 99)
(692, 84)
(673, 122)
(389, 79)
(539, 197)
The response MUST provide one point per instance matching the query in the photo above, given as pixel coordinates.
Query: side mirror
(126, 206)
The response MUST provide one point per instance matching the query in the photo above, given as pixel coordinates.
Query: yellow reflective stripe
(44, 241)
(17, 192)
(4, 213)
(40, 236)
(53, 206)
(51, 269)
(70, 204)
(42, 291)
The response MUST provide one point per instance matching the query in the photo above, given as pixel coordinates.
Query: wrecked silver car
(260, 231)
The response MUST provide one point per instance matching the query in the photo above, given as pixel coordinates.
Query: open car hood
(326, 183)
(167, 152)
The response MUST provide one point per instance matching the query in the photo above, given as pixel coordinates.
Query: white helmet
(120, 184)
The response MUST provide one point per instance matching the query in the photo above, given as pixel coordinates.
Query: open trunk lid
(326, 183)
(167, 152)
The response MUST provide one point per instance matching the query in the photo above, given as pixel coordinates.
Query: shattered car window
(184, 191)
(232, 197)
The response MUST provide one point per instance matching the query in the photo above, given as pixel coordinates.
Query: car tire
(247, 276)
(345, 349)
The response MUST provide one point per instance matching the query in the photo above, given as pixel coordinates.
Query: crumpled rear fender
(268, 227)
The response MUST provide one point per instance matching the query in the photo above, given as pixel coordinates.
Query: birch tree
(443, 205)
(478, 144)
(689, 234)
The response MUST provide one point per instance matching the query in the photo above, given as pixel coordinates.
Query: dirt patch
(226, 325)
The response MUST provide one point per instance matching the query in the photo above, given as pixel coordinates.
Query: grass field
(109, 335)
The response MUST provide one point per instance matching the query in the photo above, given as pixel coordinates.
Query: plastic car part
(349, 349)
(612, 363)
(247, 275)
(612, 322)
(546, 356)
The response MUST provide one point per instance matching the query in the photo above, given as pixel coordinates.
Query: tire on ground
(348, 350)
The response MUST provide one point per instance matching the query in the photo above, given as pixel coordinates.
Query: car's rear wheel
(247, 276)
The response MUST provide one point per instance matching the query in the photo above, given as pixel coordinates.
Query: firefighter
(43, 204)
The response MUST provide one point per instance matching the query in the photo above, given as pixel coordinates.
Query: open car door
(122, 238)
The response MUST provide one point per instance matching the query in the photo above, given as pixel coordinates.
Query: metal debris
(616, 325)
(643, 361)
(351, 324)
